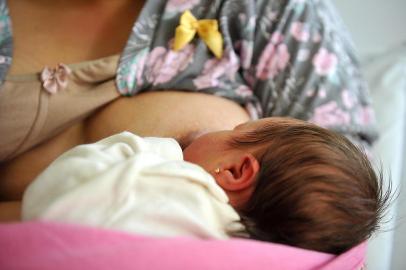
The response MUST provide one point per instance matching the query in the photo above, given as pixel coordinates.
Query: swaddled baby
(276, 179)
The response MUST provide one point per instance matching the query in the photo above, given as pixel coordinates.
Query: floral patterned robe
(281, 58)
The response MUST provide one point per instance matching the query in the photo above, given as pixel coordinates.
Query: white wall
(374, 24)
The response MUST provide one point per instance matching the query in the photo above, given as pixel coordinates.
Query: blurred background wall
(375, 25)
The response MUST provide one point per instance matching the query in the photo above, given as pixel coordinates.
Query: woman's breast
(165, 114)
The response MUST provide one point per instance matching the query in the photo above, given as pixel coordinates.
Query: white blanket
(134, 184)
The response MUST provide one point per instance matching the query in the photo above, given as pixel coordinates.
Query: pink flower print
(2, 59)
(154, 63)
(181, 5)
(244, 91)
(215, 68)
(277, 38)
(163, 65)
(330, 114)
(299, 32)
(56, 79)
(273, 59)
(348, 98)
(365, 115)
(210, 74)
(324, 62)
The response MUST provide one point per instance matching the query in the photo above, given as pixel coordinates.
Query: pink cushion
(36, 245)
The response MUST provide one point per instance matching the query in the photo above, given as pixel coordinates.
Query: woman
(280, 58)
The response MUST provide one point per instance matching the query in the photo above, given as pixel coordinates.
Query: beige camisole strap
(29, 114)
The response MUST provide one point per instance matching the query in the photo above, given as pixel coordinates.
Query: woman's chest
(46, 33)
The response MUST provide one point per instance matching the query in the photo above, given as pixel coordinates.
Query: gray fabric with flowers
(281, 58)
(6, 44)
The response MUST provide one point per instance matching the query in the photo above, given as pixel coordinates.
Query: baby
(276, 179)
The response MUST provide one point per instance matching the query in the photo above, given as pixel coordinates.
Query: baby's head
(295, 183)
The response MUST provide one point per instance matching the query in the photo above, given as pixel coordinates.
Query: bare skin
(169, 113)
(48, 32)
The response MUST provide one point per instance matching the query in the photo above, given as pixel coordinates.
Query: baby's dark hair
(315, 189)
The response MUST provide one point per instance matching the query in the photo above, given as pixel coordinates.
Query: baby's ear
(239, 174)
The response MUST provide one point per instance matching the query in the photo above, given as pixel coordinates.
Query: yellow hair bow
(207, 30)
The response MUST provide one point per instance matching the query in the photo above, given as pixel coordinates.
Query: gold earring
(217, 170)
